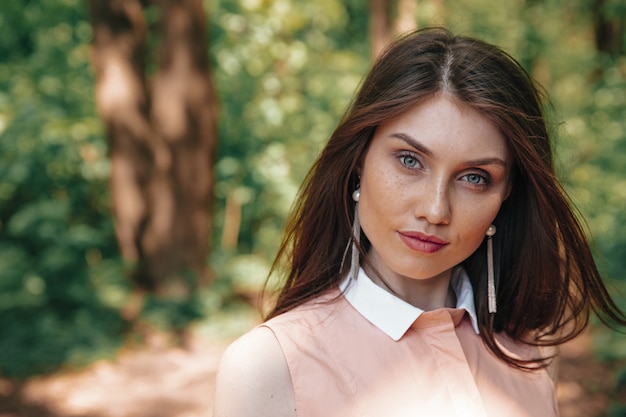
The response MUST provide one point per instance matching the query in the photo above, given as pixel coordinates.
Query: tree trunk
(380, 26)
(381, 29)
(162, 140)
(405, 20)
(609, 29)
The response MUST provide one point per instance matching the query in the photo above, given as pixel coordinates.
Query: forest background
(274, 79)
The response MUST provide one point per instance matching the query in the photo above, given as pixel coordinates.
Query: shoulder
(519, 349)
(253, 378)
(552, 353)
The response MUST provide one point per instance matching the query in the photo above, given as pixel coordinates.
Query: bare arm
(253, 379)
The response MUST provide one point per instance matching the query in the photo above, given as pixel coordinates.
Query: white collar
(393, 315)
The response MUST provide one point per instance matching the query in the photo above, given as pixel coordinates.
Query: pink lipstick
(421, 242)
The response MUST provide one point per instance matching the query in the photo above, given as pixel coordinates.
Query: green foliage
(609, 346)
(285, 73)
(616, 410)
(597, 179)
(172, 315)
(59, 285)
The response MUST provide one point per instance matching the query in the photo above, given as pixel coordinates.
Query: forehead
(447, 127)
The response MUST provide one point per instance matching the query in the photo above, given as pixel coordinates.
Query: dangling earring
(491, 284)
(354, 241)
(356, 236)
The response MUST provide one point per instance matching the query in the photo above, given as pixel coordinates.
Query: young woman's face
(432, 182)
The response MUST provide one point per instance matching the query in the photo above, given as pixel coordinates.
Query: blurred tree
(383, 27)
(61, 281)
(609, 21)
(162, 137)
(380, 25)
(406, 19)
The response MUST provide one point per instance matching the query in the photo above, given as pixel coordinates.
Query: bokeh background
(275, 76)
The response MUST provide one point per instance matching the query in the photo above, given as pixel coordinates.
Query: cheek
(374, 209)
(472, 224)
(378, 185)
(380, 200)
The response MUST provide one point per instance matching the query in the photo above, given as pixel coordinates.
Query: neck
(426, 294)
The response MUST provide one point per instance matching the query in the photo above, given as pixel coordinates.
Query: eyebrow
(411, 141)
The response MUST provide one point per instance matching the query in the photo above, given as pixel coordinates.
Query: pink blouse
(361, 351)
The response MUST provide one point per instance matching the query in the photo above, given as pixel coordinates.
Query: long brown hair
(548, 281)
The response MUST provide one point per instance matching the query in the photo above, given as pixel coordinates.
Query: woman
(433, 261)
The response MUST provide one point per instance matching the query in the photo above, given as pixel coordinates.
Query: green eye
(408, 161)
(477, 180)
(474, 178)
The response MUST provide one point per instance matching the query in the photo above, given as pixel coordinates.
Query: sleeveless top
(361, 351)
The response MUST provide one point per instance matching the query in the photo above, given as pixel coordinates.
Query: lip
(421, 242)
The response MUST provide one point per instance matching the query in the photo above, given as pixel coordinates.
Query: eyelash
(484, 177)
(402, 156)
(485, 180)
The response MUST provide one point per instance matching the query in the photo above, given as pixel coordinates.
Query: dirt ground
(164, 381)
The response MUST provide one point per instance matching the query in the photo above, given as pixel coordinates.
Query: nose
(435, 203)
